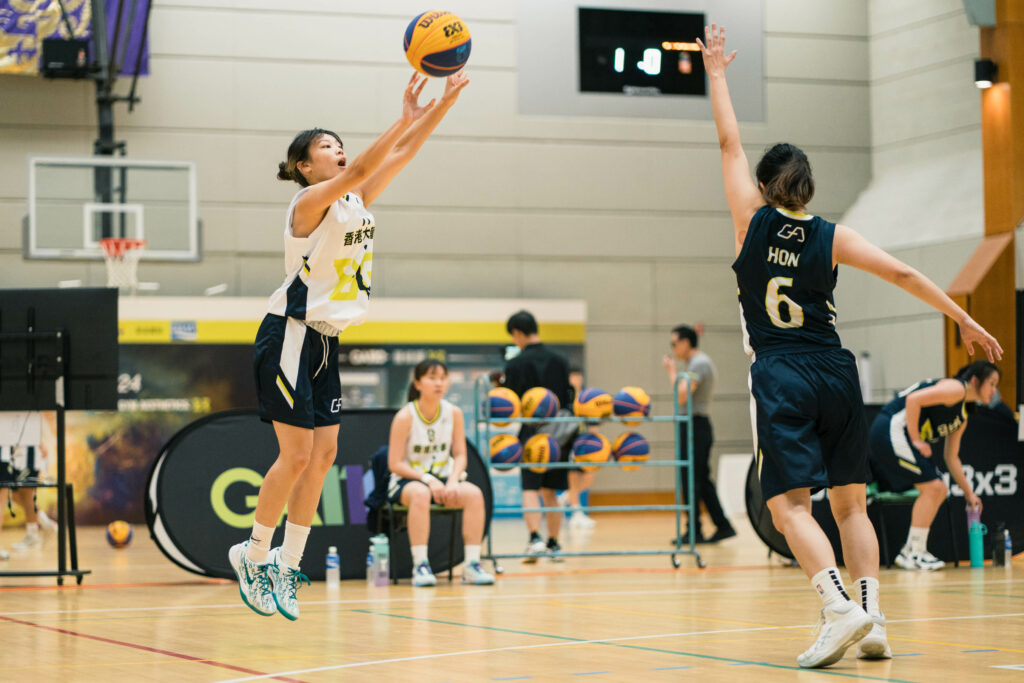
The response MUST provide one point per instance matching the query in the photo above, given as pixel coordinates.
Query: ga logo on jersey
(791, 231)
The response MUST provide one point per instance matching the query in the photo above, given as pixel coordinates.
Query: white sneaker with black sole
(837, 629)
(875, 645)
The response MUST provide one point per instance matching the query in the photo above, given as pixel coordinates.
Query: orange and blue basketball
(631, 447)
(504, 403)
(540, 402)
(119, 534)
(437, 43)
(591, 448)
(541, 449)
(505, 450)
(631, 402)
(592, 403)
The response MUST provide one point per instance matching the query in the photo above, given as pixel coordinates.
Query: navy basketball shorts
(809, 418)
(895, 463)
(395, 489)
(297, 377)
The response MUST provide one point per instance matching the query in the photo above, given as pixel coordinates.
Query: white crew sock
(259, 543)
(830, 587)
(31, 528)
(867, 589)
(294, 543)
(472, 553)
(917, 539)
(419, 555)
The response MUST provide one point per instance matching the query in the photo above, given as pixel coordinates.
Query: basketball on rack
(505, 449)
(631, 447)
(591, 448)
(631, 402)
(592, 403)
(541, 449)
(437, 43)
(540, 402)
(504, 403)
(119, 534)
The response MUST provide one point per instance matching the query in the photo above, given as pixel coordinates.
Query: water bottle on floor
(381, 560)
(369, 564)
(976, 541)
(333, 573)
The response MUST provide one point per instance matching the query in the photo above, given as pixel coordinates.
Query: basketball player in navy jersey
(809, 426)
(328, 238)
(901, 453)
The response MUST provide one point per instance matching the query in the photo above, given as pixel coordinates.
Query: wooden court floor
(140, 618)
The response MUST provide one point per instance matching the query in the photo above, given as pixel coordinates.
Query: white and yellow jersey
(328, 273)
(429, 446)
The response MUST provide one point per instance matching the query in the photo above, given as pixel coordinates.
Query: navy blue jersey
(936, 422)
(785, 277)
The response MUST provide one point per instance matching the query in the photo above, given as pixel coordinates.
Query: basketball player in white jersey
(328, 237)
(427, 459)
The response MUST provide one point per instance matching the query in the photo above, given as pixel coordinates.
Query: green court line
(634, 647)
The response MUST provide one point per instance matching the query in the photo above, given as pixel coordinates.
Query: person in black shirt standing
(538, 366)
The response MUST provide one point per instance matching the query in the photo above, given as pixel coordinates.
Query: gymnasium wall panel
(815, 17)
(843, 59)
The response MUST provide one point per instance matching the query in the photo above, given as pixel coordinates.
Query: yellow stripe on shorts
(287, 394)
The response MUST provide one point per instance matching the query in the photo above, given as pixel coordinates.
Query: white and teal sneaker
(253, 581)
(422, 576)
(287, 582)
(474, 573)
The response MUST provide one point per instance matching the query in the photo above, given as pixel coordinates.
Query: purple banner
(25, 23)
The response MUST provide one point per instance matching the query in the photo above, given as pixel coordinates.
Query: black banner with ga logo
(202, 491)
(993, 461)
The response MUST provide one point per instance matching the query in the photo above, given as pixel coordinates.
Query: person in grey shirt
(685, 349)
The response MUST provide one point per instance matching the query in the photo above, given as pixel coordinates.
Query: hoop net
(122, 257)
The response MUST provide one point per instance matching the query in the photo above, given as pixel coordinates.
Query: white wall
(627, 214)
(924, 203)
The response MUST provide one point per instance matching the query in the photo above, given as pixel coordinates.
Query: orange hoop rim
(119, 246)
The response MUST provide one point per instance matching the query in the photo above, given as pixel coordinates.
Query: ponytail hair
(298, 152)
(422, 368)
(785, 174)
(982, 369)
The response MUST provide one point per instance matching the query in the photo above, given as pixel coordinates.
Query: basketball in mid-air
(437, 43)
(119, 534)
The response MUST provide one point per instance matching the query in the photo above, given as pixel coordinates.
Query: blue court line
(591, 673)
(512, 678)
(633, 647)
(979, 650)
(670, 668)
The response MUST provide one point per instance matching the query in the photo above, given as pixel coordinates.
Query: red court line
(146, 648)
(202, 582)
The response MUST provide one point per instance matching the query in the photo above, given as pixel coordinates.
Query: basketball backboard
(73, 202)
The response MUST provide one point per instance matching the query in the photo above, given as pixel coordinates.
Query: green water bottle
(976, 540)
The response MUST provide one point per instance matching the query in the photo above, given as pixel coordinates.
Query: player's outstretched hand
(411, 109)
(715, 59)
(972, 333)
(454, 84)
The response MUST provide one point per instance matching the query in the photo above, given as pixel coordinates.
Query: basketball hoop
(122, 257)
